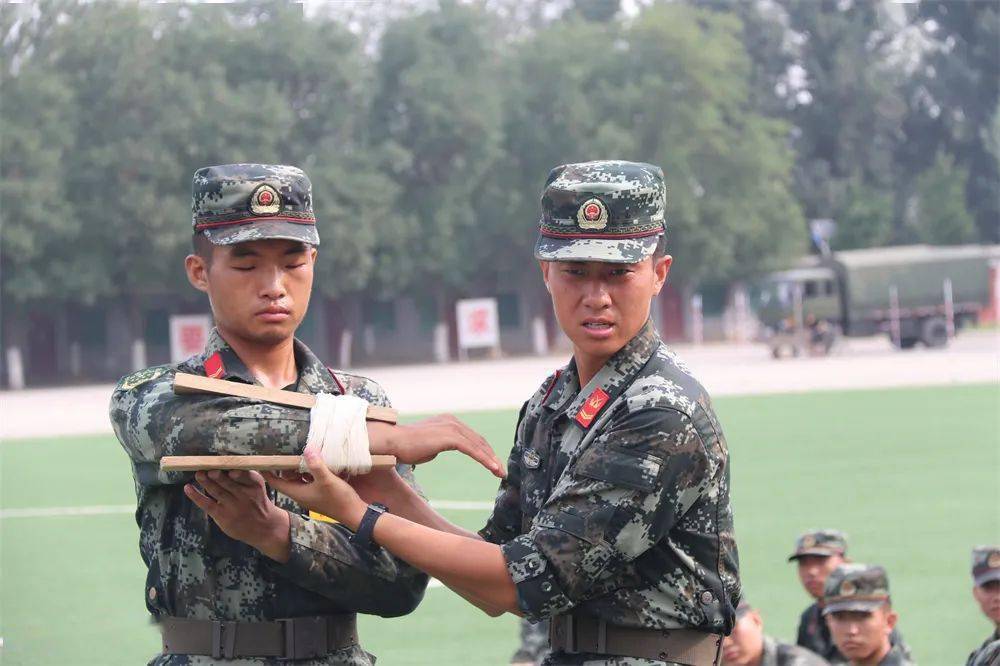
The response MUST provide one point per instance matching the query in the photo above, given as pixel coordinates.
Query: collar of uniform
(621, 368)
(565, 386)
(232, 366)
(314, 377)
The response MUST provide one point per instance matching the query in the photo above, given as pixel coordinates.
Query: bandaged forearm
(337, 431)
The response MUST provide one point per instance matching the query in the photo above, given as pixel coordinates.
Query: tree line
(428, 132)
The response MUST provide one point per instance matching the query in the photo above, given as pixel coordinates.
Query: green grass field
(912, 475)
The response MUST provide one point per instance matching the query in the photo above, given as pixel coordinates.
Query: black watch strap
(363, 537)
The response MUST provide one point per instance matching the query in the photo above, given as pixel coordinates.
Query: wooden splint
(188, 383)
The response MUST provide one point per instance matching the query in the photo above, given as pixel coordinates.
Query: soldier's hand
(238, 503)
(422, 441)
(320, 490)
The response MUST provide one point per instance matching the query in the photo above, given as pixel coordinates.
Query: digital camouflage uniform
(861, 587)
(777, 653)
(534, 642)
(813, 633)
(986, 570)
(194, 569)
(616, 502)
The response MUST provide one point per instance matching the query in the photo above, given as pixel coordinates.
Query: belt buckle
(223, 639)
(305, 637)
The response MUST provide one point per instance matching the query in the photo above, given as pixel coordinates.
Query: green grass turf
(912, 475)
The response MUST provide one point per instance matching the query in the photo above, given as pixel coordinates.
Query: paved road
(973, 357)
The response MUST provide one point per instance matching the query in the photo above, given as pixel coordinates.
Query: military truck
(913, 293)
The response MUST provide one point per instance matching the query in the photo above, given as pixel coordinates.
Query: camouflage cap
(607, 210)
(985, 564)
(855, 587)
(820, 542)
(235, 203)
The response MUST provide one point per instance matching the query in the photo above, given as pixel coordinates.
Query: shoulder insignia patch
(214, 367)
(141, 377)
(590, 409)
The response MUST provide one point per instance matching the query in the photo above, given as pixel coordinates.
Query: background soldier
(254, 576)
(817, 554)
(614, 520)
(986, 590)
(749, 646)
(858, 609)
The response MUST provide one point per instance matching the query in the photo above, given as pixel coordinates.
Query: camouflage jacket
(783, 654)
(987, 654)
(616, 503)
(814, 635)
(896, 657)
(195, 570)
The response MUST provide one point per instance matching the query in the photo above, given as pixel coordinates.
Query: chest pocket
(262, 429)
(621, 467)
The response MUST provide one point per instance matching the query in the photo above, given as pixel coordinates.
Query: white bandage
(337, 430)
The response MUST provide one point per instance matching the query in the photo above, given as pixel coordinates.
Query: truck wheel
(906, 342)
(934, 332)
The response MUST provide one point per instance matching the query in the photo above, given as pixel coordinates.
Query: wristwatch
(363, 537)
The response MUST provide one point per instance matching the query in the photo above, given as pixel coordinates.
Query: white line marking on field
(112, 509)
(62, 511)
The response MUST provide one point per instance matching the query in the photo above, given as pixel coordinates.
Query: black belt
(574, 634)
(294, 638)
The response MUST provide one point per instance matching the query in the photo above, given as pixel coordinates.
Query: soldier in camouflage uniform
(253, 576)
(817, 553)
(986, 590)
(614, 520)
(858, 609)
(534, 645)
(749, 646)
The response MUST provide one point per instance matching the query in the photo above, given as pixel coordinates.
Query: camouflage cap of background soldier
(820, 542)
(607, 210)
(985, 564)
(855, 587)
(236, 203)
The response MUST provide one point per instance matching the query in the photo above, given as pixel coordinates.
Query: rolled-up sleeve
(624, 493)
(151, 421)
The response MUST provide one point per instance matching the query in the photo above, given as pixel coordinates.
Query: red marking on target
(479, 321)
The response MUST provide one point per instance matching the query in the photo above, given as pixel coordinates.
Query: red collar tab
(336, 381)
(592, 407)
(214, 367)
(552, 385)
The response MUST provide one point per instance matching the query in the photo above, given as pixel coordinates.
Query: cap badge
(808, 541)
(265, 201)
(993, 561)
(847, 588)
(592, 214)
(589, 410)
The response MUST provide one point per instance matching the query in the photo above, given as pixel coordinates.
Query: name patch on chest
(591, 407)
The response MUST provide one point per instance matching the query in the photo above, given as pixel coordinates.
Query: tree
(959, 89)
(436, 111)
(941, 217)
